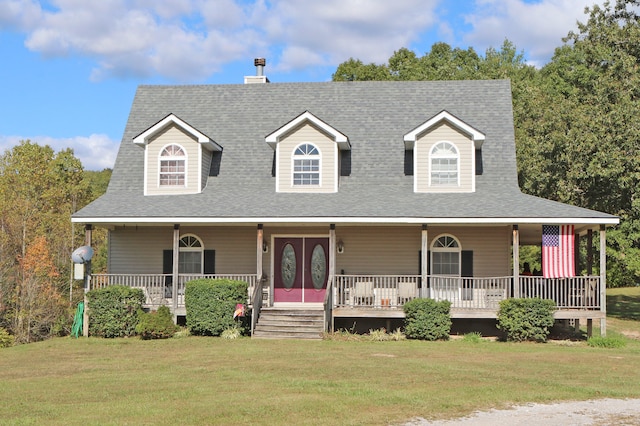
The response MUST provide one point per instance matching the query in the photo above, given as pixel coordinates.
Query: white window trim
(186, 167)
(192, 249)
(431, 157)
(435, 249)
(293, 159)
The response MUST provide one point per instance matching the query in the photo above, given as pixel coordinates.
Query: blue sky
(70, 68)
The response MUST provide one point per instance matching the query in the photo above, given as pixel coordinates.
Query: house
(339, 200)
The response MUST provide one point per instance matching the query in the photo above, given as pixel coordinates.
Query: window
(306, 165)
(190, 255)
(444, 164)
(173, 166)
(445, 256)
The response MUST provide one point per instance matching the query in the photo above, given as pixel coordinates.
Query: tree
(580, 144)
(38, 303)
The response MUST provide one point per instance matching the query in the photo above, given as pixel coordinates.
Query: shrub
(6, 339)
(210, 305)
(113, 311)
(156, 325)
(609, 342)
(379, 335)
(526, 319)
(231, 333)
(473, 337)
(427, 319)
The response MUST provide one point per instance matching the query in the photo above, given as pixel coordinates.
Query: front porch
(383, 296)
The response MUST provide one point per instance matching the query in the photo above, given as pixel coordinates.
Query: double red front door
(301, 269)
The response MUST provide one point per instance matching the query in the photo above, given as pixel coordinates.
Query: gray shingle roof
(374, 116)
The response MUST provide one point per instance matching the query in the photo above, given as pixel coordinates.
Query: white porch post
(516, 261)
(85, 314)
(259, 244)
(603, 280)
(332, 266)
(424, 247)
(176, 268)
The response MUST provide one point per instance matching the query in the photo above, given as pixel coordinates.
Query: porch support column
(589, 252)
(332, 268)
(88, 228)
(516, 261)
(424, 247)
(176, 268)
(259, 245)
(603, 280)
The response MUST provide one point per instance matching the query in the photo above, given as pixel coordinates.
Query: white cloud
(96, 152)
(535, 27)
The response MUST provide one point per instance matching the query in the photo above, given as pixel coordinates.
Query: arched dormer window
(173, 166)
(190, 257)
(445, 256)
(444, 160)
(306, 165)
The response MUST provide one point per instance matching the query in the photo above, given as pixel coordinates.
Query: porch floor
(458, 313)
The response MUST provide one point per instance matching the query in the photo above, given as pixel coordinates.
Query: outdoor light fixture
(265, 247)
(340, 247)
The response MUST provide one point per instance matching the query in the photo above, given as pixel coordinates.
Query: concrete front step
(280, 323)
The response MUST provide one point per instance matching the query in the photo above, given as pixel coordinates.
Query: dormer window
(173, 166)
(444, 164)
(306, 165)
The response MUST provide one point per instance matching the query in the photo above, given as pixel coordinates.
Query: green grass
(196, 380)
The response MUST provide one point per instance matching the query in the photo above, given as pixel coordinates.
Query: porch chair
(407, 290)
(363, 293)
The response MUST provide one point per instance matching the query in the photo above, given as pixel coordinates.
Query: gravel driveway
(593, 412)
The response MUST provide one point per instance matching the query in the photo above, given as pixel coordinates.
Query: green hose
(76, 329)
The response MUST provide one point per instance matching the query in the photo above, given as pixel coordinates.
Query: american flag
(558, 251)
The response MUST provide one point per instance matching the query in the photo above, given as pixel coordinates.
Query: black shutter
(167, 266)
(209, 262)
(466, 270)
(467, 263)
(408, 162)
(479, 162)
(345, 162)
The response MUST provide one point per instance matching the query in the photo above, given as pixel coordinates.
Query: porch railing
(158, 288)
(388, 291)
(392, 291)
(568, 293)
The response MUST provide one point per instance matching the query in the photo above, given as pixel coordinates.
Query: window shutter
(167, 265)
(408, 162)
(478, 162)
(209, 262)
(345, 162)
(466, 269)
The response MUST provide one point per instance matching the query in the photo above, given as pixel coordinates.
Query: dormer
(177, 157)
(307, 155)
(444, 154)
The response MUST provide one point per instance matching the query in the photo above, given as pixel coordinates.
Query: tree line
(576, 118)
(39, 191)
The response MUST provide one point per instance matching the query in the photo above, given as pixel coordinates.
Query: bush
(427, 319)
(6, 339)
(609, 342)
(210, 305)
(472, 337)
(526, 319)
(113, 311)
(156, 325)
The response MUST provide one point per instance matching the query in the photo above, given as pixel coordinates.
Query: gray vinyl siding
(173, 135)
(328, 160)
(422, 170)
